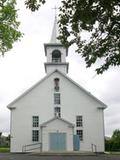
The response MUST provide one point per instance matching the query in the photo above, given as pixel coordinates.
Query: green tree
(116, 140)
(116, 135)
(8, 25)
(8, 140)
(113, 144)
(101, 18)
(0, 138)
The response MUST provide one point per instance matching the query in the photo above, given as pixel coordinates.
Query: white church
(56, 114)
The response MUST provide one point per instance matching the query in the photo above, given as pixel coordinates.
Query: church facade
(57, 114)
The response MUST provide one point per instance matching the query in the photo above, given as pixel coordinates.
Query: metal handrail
(94, 148)
(24, 148)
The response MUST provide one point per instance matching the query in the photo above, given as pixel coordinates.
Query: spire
(55, 52)
(55, 32)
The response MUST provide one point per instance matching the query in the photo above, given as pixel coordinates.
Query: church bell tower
(56, 53)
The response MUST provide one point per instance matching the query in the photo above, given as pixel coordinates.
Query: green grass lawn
(113, 153)
(4, 149)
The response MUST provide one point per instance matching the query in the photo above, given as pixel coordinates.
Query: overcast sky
(23, 66)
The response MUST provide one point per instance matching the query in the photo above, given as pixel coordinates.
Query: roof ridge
(29, 89)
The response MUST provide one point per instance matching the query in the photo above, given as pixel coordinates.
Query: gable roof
(64, 75)
(57, 118)
(28, 90)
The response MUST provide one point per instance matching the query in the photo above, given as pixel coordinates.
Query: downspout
(41, 138)
(73, 136)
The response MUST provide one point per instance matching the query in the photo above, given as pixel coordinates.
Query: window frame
(35, 121)
(35, 135)
(56, 84)
(79, 121)
(57, 111)
(79, 132)
(56, 56)
(57, 100)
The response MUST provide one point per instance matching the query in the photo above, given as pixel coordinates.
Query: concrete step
(80, 153)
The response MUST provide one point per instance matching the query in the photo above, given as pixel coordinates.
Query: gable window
(57, 111)
(35, 135)
(56, 98)
(56, 84)
(56, 56)
(35, 122)
(79, 121)
(80, 134)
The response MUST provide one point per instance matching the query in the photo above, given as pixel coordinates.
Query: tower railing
(56, 60)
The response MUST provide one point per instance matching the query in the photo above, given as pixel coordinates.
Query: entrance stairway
(36, 149)
(72, 153)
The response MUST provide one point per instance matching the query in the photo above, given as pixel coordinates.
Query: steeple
(56, 53)
(55, 32)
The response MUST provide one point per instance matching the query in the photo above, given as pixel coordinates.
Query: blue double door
(57, 141)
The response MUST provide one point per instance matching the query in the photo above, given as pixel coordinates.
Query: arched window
(56, 56)
(56, 84)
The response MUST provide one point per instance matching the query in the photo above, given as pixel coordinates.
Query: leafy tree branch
(101, 18)
(8, 25)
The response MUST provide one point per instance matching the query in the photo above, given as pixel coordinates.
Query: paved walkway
(9, 156)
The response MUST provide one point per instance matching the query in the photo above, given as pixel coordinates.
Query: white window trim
(81, 126)
(79, 134)
(58, 98)
(35, 122)
(33, 136)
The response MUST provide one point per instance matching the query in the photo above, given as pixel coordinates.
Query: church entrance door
(57, 141)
